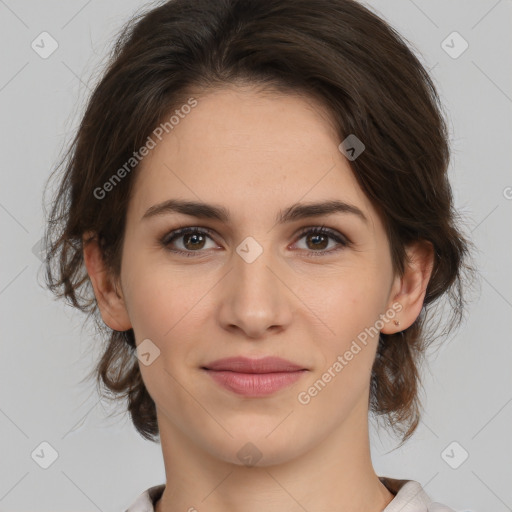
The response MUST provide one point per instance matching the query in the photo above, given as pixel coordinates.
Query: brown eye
(318, 241)
(318, 238)
(191, 240)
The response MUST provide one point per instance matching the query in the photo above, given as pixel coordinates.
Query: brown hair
(337, 51)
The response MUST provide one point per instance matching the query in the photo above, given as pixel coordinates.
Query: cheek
(166, 312)
(349, 303)
(350, 310)
(159, 301)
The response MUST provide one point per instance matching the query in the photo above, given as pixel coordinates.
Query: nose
(256, 298)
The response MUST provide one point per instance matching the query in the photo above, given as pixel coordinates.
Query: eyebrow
(294, 212)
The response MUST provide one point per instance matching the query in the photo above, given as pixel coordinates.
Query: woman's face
(254, 284)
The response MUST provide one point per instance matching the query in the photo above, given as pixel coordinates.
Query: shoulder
(146, 501)
(410, 497)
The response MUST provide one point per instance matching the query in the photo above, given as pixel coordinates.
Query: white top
(409, 497)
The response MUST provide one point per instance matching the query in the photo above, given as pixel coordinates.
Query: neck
(336, 474)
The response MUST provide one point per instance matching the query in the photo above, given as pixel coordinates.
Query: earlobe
(409, 290)
(110, 301)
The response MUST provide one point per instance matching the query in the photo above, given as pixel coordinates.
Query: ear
(409, 290)
(110, 302)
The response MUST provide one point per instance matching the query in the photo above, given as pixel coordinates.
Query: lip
(247, 365)
(254, 377)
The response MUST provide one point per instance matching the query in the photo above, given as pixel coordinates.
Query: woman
(257, 204)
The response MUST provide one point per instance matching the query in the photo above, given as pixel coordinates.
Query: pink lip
(254, 377)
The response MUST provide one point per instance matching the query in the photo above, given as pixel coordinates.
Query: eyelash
(316, 230)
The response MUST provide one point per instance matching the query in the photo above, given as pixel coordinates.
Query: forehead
(256, 150)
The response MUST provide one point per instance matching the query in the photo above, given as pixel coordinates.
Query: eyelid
(341, 239)
(325, 230)
(178, 232)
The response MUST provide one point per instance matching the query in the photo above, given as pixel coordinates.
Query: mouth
(254, 377)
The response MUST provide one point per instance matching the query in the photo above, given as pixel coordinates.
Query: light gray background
(103, 464)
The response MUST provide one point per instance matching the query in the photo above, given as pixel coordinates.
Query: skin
(255, 154)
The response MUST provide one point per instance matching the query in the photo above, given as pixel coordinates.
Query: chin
(258, 450)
